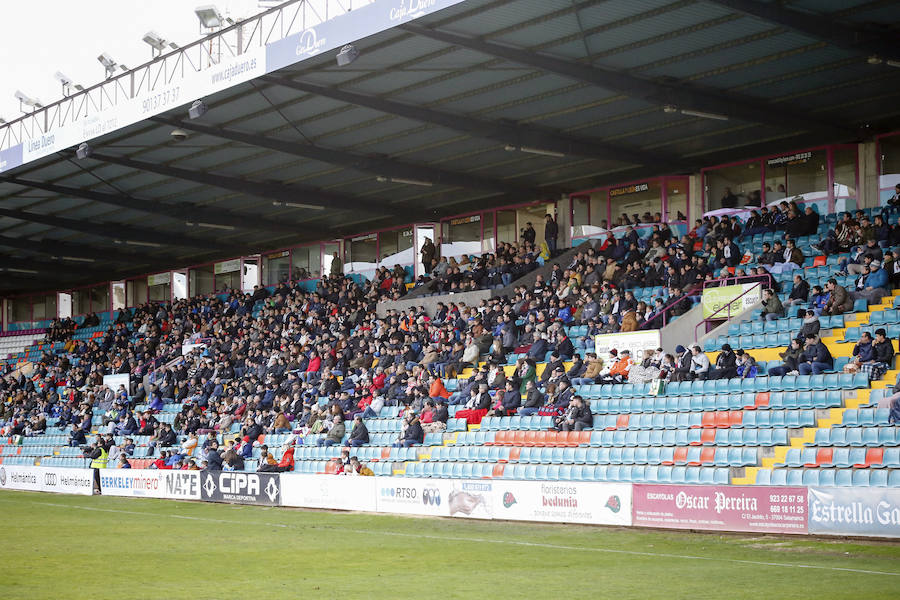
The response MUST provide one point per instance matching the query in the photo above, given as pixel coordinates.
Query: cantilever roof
(439, 100)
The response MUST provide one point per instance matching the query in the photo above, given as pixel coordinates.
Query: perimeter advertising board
(47, 479)
(151, 483)
(715, 299)
(721, 508)
(635, 342)
(241, 488)
(331, 492)
(563, 502)
(855, 511)
(413, 496)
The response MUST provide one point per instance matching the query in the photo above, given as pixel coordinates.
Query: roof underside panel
(449, 111)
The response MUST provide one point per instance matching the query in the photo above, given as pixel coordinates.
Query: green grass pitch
(101, 547)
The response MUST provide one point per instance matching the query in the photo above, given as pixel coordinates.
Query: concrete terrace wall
(419, 298)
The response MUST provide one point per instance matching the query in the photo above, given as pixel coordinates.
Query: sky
(40, 37)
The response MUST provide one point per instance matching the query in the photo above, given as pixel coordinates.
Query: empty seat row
(620, 438)
(720, 402)
(858, 457)
(864, 417)
(623, 473)
(830, 477)
(692, 455)
(858, 436)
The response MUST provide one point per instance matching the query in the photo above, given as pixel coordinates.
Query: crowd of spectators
(264, 360)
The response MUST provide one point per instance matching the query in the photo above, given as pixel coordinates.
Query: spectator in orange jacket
(619, 371)
(437, 389)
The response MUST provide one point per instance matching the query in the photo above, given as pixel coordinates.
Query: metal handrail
(712, 317)
(738, 279)
(667, 307)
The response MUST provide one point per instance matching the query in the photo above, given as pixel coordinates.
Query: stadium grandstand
(644, 243)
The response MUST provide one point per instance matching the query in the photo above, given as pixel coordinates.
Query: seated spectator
(359, 434)
(872, 287)
(726, 364)
(863, 352)
(788, 258)
(534, 400)
(699, 363)
(508, 402)
(578, 417)
(620, 369)
(790, 360)
(772, 307)
(810, 323)
(414, 434)
(357, 468)
(335, 434)
(815, 357)
(746, 365)
(882, 356)
(799, 292)
(839, 301)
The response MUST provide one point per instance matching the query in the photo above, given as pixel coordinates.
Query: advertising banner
(714, 299)
(349, 27)
(47, 479)
(721, 508)
(563, 502)
(472, 499)
(337, 492)
(413, 496)
(114, 381)
(855, 511)
(241, 488)
(145, 483)
(151, 483)
(634, 341)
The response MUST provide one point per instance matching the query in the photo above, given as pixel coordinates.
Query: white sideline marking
(447, 538)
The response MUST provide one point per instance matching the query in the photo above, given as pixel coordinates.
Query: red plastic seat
(708, 420)
(820, 261)
(735, 418)
(723, 420)
(874, 457)
(762, 399)
(707, 438)
(498, 470)
(540, 438)
(707, 455)
(514, 454)
(518, 438)
(824, 456)
(680, 456)
(622, 421)
(529, 438)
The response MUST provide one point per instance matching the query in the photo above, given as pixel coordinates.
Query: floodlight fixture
(197, 109)
(347, 55)
(25, 99)
(83, 151)
(156, 42)
(66, 83)
(108, 63)
(209, 16)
